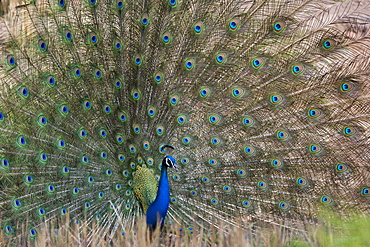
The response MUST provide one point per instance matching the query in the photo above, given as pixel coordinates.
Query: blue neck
(158, 209)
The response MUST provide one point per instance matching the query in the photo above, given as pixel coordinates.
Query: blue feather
(158, 208)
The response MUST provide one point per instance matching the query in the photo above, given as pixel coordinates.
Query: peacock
(262, 107)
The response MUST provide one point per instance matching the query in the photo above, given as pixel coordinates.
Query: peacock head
(169, 161)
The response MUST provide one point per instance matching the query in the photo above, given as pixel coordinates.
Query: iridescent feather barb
(266, 104)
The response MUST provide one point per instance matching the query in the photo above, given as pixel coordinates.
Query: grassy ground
(334, 232)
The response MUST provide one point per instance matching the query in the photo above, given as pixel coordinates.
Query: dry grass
(334, 232)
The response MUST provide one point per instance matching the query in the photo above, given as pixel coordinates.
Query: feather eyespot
(214, 119)
(248, 121)
(257, 63)
(172, 3)
(186, 140)
(144, 20)
(315, 148)
(84, 160)
(205, 179)
(40, 212)
(326, 200)
(215, 141)
(43, 158)
(119, 4)
(226, 188)
(50, 81)
(122, 116)
(241, 173)
(249, 150)
(237, 92)
(166, 38)
(184, 161)
(23, 92)
(314, 113)
(146, 145)
(132, 148)
(174, 99)
(138, 60)
(346, 87)
(93, 3)
(50, 188)
(103, 155)
(189, 64)
(10, 60)
(42, 45)
(65, 170)
(119, 138)
(93, 38)
(16, 203)
(136, 94)
(297, 69)
(198, 28)
(247, 204)
(262, 185)
(276, 99)
(221, 58)
(62, 4)
(193, 193)
(173, 200)
(181, 119)
(27, 179)
(68, 36)
(61, 144)
(21, 141)
(301, 182)
(349, 131)
(8, 230)
(102, 132)
(365, 191)
(176, 177)
(212, 162)
(98, 74)
(214, 201)
(328, 44)
(234, 24)
(4, 163)
(158, 77)
(76, 72)
(276, 163)
(63, 109)
(106, 108)
(204, 92)
(42, 121)
(160, 130)
(282, 135)
(117, 45)
(279, 26)
(75, 191)
(82, 133)
(284, 206)
(86, 104)
(341, 168)
(136, 128)
(117, 83)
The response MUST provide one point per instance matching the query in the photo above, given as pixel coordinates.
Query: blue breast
(158, 209)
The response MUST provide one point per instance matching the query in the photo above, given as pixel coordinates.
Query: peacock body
(265, 102)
